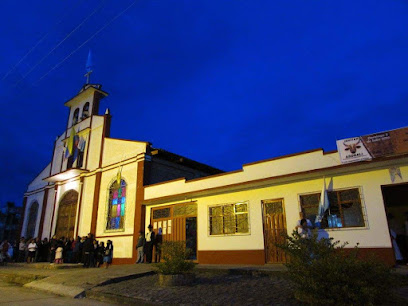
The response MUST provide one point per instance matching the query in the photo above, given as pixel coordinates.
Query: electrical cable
(90, 38)
(60, 43)
(39, 41)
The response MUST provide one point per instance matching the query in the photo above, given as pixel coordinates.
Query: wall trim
(96, 202)
(232, 257)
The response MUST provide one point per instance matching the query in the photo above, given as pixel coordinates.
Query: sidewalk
(74, 280)
(69, 279)
(137, 284)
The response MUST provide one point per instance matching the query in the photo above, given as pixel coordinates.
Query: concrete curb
(69, 291)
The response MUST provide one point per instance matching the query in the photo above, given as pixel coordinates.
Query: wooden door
(67, 215)
(177, 223)
(274, 221)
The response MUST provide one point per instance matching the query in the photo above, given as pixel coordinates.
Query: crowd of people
(83, 250)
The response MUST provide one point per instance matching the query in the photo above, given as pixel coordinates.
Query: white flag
(323, 205)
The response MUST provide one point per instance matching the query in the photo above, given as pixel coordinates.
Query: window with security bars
(117, 206)
(229, 219)
(345, 208)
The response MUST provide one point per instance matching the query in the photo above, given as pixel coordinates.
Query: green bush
(324, 273)
(175, 258)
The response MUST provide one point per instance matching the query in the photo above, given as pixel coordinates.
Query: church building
(95, 184)
(113, 188)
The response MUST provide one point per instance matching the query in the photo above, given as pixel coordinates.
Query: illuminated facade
(113, 188)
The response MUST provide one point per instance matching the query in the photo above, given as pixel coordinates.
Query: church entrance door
(274, 222)
(67, 215)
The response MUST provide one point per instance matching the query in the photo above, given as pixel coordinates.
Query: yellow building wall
(117, 150)
(129, 174)
(373, 235)
(85, 219)
(95, 142)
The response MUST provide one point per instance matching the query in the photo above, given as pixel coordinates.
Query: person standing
(76, 250)
(157, 245)
(53, 247)
(149, 244)
(21, 250)
(45, 250)
(88, 249)
(32, 248)
(59, 257)
(100, 254)
(107, 258)
(140, 247)
(4, 249)
(37, 257)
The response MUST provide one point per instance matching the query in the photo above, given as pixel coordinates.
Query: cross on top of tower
(88, 67)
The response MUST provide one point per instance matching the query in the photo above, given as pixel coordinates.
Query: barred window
(117, 206)
(229, 219)
(344, 210)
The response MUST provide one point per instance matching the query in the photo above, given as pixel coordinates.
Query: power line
(60, 43)
(91, 37)
(39, 41)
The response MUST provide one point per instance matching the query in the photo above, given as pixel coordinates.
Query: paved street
(16, 295)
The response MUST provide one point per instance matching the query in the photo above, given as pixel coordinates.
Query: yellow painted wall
(116, 150)
(88, 189)
(373, 235)
(95, 142)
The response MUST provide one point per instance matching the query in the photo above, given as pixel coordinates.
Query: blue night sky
(221, 82)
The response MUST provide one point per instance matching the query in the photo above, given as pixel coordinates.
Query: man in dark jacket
(149, 244)
(140, 247)
(87, 248)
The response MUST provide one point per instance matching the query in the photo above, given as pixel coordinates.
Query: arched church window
(117, 206)
(85, 111)
(75, 117)
(32, 220)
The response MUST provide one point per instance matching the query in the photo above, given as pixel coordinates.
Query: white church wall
(34, 198)
(58, 154)
(38, 182)
(48, 213)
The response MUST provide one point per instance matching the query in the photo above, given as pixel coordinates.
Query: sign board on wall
(371, 146)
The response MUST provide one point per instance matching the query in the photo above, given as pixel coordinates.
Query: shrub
(175, 258)
(324, 273)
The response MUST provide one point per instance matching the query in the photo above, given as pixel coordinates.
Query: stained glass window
(117, 206)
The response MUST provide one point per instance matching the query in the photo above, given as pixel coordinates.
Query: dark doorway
(191, 236)
(396, 206)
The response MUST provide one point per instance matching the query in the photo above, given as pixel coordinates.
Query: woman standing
(108, 254)
(32, 247)
(100, 254)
